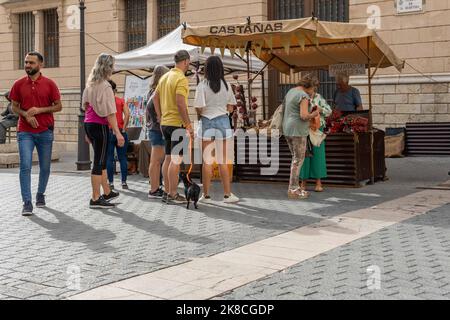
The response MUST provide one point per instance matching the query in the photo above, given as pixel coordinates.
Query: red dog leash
(188, 175)
(192, 164)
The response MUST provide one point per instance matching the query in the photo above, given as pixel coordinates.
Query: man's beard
(32, 72)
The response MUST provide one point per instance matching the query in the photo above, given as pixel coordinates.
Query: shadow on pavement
(70, 230)
(256, 217)
(157, 227)
(134, 193)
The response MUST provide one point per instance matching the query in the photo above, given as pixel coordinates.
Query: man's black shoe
(101, 203)
(40, 200)
(158, 194)
(27, 209)
(110, 196)
(164, 197)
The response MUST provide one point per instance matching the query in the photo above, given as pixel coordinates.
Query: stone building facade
(421, 93)
(113, 26)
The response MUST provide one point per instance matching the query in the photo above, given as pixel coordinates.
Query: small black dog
(191, 190)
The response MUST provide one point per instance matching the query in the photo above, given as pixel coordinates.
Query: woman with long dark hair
(213, 99)
(100, 106)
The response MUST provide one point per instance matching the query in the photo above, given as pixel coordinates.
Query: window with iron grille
(26, 36)
(326, 10)
(289, 9)
(337, 11)
(168, 16)
(136, 17)
(51, 38)
(284, 10)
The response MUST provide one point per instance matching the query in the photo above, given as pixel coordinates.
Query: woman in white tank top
(213, 99)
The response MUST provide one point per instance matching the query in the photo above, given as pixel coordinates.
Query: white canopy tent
(161, 52)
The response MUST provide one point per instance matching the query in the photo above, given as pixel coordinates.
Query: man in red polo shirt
(35, 98)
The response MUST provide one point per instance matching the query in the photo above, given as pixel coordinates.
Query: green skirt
(315, 167)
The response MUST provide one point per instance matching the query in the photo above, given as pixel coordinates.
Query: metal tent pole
(263, 95)
(249, 81)
(372, 153)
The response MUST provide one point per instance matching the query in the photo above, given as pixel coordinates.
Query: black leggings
(98, 134)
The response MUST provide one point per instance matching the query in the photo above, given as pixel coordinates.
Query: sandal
(303, 186)
(298, 194)
(318, 189)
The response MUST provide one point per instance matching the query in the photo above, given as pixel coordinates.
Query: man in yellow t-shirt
(171, 101)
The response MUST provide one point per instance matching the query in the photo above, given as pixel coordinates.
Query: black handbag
(309, 148)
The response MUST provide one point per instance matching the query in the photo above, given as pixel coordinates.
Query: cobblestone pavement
(413, 258)
(39, 254)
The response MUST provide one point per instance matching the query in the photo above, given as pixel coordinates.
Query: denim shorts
(156, 138)
(218, 128)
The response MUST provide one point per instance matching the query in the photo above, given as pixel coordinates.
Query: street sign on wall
(408, 6)
(349, 69)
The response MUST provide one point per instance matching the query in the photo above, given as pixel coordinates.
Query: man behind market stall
(346, 98)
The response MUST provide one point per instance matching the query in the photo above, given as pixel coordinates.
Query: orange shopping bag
(314, 123)
(216, 173)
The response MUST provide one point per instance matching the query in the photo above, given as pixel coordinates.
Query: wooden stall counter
(348, 160)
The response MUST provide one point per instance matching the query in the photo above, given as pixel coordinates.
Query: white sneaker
(230, 199)
(205, 199)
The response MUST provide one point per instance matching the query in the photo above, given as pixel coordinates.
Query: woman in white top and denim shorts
(213, 99)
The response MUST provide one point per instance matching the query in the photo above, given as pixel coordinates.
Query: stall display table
(348, 160)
